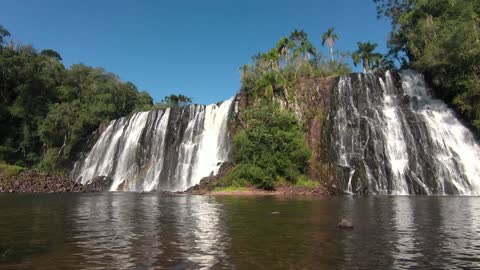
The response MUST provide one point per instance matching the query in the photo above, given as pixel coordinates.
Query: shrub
(303, 182)
(8, 171)
(271, 146)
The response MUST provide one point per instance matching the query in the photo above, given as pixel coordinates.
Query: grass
(10, 170)
(229, 189)
(305, 183)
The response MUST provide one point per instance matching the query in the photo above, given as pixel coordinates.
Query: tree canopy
(330, 37)
(47, 111)
(367, 55)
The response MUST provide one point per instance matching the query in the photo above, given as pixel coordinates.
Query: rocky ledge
(207, 185)
(32, 181)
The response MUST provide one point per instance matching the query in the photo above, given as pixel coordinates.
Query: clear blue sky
(192, 47)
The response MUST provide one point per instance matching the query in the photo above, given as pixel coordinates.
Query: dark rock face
(32, 181)
(345, 224)
(310, 100)
(99, 183)
(390, 136)
(208, 183)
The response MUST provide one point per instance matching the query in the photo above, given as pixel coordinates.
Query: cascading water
(392, 137)
(169, 150)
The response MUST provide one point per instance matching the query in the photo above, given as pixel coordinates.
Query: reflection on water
(404, 253)
(149, 231)
(152, 231)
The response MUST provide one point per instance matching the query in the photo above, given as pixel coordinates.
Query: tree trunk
(331, 54)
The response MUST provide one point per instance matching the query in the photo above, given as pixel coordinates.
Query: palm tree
(298, 37)
(307, 49)
(284, 46)
(330, 37)
(3, 34)
(366, 54)
(243, 70)
(384, 63)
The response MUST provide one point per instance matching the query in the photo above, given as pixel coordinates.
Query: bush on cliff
(270, 146)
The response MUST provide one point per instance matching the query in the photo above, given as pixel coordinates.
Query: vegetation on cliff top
(275, 72)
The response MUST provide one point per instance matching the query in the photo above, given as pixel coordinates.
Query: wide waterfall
(169, 150)
(391, 136)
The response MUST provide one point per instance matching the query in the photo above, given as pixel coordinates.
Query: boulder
(345, 224)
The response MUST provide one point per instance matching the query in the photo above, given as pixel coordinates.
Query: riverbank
(252, 191)
(33, 181)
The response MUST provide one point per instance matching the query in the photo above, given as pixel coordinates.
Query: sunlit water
(151, 231)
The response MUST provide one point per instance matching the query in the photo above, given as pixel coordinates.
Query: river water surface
(152, 231)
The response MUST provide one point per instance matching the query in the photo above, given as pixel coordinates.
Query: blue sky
(192, 47)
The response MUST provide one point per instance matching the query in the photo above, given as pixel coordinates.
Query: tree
(298, 37)
(307, 50)
(385, 63)
(330, 37)
(284, 45)
(51, 53)
(174, 101)
(3, 34)
(47, 111)
(366, 55)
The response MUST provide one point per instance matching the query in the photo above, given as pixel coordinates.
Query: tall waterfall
(168, 150)
(392, 137)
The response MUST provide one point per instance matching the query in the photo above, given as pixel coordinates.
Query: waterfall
(169, 150)
(391, 136)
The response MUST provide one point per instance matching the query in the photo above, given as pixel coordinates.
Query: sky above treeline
(177, 46)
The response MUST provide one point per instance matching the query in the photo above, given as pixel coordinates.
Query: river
(154, 231)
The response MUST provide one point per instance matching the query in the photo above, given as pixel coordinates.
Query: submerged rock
(345, 224)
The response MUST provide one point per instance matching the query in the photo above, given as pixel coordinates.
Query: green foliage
(275, 72)
(51, 53)
(440, 38)
(229, 189)
(50, 162)
(270, 146)
(173, 101)
(3, 34)
(303, 182)
(366, 55)
(8, 171)
(48, 111)
(330, 37)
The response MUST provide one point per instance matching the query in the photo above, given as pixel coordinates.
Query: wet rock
(32, 181)
(345, 224)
